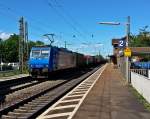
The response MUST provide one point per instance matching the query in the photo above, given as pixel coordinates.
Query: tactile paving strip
(67, 106)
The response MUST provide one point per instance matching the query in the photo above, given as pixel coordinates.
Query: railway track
(17, 96)
(33, 105)
(7, 91)
(14, 82)
(19, 90)
(12, 88)
(67, 106)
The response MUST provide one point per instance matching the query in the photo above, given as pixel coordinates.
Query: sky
(74, 21)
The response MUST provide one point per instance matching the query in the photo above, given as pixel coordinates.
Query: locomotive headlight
(46, 65)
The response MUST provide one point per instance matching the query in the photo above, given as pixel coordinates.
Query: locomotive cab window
(35, 53)
(44, 53)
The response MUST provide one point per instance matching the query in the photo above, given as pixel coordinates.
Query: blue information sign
(122, 43)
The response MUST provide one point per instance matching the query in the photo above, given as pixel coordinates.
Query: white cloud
(83, 46)
(4, 35)
(45, 40)
(98, 45)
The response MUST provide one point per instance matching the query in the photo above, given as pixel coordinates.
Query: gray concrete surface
(111, 98)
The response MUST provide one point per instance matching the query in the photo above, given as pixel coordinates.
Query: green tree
(9, 49)
(38, 43)
(32, 43)
(142, 39)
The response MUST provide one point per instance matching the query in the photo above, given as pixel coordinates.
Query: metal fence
(144, 72)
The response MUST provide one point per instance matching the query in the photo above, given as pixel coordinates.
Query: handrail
(143, 72)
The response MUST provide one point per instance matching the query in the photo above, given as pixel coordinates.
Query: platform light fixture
(127, 24)
(110, 23)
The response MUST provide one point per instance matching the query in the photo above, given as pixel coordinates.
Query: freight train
(46, 59)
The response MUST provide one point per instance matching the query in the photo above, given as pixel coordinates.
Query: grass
(140, 98)
(12, 73)
(9, 73)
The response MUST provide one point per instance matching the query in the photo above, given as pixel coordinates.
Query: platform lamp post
(127, 24)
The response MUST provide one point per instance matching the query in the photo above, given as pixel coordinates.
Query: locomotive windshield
(35, 53)
(40, 53)
(44, 53)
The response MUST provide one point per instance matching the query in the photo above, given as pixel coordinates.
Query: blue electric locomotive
(46, 59)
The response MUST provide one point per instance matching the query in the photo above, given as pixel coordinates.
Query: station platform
(2, 79)
(108, 97)
(111, 98)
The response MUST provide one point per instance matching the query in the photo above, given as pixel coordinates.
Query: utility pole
(66, 44)
(21, 43)
(26, 40)
(1, 54)
(1, 63)
(127, 45)
(127, 24)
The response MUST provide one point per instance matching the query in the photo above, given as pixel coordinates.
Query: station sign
(122, 43)
(127, 52)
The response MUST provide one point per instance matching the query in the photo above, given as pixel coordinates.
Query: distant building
(135, 51)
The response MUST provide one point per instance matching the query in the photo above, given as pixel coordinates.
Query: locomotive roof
(42, 46)
(48, 46)
(58, 49)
